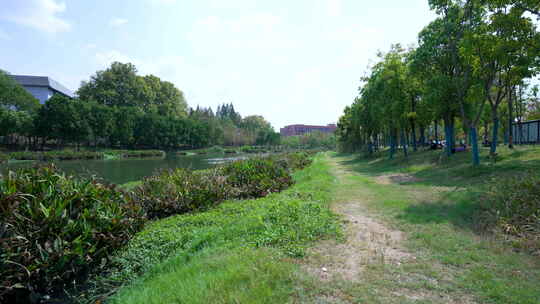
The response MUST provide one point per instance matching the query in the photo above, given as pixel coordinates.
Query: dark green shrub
(55, 155)
(257, 177)
(180, 191)
(512, 205)
(293, 161)
(142, 153)
(54, 228)
(3, 158)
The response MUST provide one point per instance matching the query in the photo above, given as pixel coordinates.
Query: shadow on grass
(459, 208)
(434, 168)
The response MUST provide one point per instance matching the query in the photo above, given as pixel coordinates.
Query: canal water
(127, 170)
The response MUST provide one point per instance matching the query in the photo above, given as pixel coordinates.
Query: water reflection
(126, 170)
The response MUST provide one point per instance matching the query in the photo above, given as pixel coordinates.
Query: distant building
(42, 87)
(303, 129)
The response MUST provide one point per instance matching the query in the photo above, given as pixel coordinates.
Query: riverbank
(77, 155)
(75, 224)
(237, 251)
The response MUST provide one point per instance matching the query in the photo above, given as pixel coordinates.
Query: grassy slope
(437, 210)
(236, 253)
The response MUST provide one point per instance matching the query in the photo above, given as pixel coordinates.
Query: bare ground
(370, 251)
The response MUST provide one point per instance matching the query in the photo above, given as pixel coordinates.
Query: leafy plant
(54, 228)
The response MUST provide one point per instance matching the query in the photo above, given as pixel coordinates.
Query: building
(42, 87)
(303, 129)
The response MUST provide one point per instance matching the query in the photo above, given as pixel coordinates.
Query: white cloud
(38, 14)
(118, 21)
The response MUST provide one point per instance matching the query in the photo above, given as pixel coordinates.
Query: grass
(130, 185)
(236, 253)
(437, 207)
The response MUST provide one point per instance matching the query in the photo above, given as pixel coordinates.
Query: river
(127, 170)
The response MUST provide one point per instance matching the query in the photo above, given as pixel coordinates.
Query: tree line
(472, 70)
(119, 108)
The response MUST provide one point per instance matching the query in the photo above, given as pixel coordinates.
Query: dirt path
(370, 258)
(367, 240)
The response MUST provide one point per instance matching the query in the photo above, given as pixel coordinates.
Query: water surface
(127, 170)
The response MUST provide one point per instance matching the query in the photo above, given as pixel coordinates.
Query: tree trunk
(413, 135)
(474, 143)
(448, 134)
(510, 119)
(436, 131)
(404, 143)
(495, 138)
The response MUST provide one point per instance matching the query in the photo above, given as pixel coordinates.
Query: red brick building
(303, 129)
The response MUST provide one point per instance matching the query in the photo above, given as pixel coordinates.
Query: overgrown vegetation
(55, 227)
(78, 155)
(512, 206)
(183, 250)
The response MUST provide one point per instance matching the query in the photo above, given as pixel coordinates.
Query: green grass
(438, 209)
(235, 253)
(236, 275)
(130, 185)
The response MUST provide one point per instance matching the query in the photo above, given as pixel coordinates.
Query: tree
(14, 97)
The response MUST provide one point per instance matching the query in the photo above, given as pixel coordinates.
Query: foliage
(512, 204)
(73, 155)
(15, 97)
(474, 54)
(312, 140)
(256, 177)
(180, 191)
(54, 228)
(120, 86)
(175, 248)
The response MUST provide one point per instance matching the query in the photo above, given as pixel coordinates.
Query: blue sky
(292, 61)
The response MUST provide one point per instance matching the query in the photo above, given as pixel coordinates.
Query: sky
(291, 61)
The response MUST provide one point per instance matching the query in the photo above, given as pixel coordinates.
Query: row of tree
(118, 108)
(469, 71)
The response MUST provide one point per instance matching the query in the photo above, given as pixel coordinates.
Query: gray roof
(42, 81)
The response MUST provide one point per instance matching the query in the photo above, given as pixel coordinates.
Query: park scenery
(259, 184)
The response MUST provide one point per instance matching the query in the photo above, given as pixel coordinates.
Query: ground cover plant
(76, 155)
(441, 204)
(56, 227)
(193, 250)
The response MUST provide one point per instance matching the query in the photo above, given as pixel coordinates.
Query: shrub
(257, 177)
(294, 161)
(54, 228)
(142, 153)
(56, 155)
(3, 158)
(180, 191)
(512, 205)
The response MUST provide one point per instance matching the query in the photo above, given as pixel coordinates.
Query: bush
(512, 205)
(55, 155)
(141, 153)
(54, 228)
(294, 161)
(180, 191)
(257, 177)
(3, 158)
